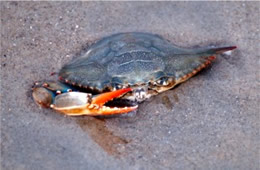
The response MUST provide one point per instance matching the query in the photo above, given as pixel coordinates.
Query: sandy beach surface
(208, 122)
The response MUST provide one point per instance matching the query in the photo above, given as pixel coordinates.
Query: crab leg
(78, 104)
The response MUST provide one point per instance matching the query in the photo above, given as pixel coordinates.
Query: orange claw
(105, 97)
(95, 108)
(95, 111)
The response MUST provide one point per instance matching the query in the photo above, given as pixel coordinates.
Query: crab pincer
(80, 104)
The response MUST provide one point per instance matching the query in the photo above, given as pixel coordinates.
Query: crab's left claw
(79, 104)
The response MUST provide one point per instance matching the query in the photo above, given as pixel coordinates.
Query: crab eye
(163, 81)
(117, 86)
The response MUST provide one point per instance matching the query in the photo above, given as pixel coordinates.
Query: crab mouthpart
(79, 104)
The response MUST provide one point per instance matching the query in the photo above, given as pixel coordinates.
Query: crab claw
(79, 104)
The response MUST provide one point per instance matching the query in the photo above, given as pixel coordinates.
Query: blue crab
(130, 66)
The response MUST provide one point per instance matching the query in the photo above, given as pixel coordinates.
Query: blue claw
(44, 93)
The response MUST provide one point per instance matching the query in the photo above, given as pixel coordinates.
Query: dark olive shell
(131, 59)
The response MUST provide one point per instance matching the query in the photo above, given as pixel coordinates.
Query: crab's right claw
(79, 104)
